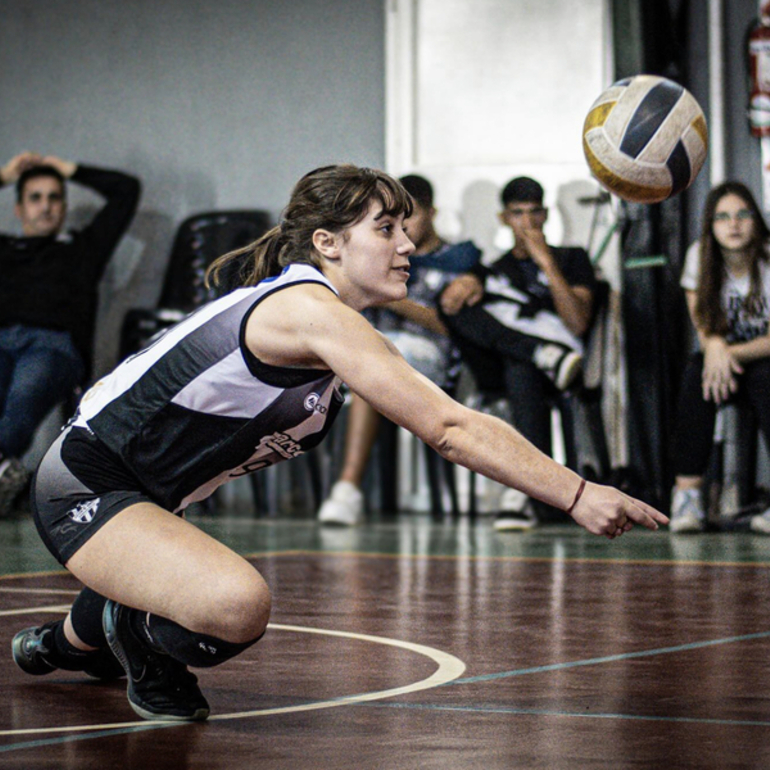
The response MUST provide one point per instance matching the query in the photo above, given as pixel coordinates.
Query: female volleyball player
(251, 379)
(727, 285)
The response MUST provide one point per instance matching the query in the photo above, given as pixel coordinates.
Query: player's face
(733, 223)
(521, 216)
(42, 208)
(374, 258)
(420, 225)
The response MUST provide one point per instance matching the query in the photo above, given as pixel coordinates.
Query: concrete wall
(212, 105)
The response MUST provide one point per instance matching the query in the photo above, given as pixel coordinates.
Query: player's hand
(720, 370)
(607, 511)
(17, 165)
(65, 167)
(465, 290)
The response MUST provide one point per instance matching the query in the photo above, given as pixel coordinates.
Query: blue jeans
(38, 369)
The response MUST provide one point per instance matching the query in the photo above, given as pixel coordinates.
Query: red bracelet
(577, 496)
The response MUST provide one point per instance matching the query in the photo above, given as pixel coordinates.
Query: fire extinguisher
(759, 73)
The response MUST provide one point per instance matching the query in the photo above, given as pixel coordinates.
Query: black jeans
(694, 431)
(500, 360)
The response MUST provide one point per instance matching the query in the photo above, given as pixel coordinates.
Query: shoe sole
(513, 527)
(110, 632)
(20, 657)
(569, 372)
(759, 529)
(686, 528)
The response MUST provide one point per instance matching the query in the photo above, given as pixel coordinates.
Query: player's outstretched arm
(308, 326)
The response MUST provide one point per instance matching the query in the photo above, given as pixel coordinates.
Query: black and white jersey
(197, 409)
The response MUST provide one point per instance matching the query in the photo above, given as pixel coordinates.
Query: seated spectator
(48, 296)
(519, 323)
(726, 279)
(413, 325)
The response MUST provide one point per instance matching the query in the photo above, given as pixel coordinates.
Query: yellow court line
(65, 591)
(448, 669)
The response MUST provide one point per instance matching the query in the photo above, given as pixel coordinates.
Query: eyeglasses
(538, 211)
(741, 215)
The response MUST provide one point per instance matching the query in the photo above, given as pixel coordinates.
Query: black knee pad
(198, 650)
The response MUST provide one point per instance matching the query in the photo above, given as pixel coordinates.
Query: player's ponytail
(332, 198)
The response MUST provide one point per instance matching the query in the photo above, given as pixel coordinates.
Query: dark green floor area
(417, 534)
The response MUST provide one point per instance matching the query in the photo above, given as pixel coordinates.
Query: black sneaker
(30, 646)
(105, 666)
(159, 687)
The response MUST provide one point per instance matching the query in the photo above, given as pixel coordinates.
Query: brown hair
(330, 198)
(709, 312)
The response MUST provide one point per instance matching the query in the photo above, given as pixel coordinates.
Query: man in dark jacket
(48, 296)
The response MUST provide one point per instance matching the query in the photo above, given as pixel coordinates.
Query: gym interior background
(225, 105)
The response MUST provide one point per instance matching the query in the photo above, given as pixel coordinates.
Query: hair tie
(577, 496)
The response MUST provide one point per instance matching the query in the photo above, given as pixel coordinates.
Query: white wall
(212, 105)
(482, 92)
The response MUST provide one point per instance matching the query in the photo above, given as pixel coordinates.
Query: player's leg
(345, 504)
(530, 395)
(692, 443)
(178, 598)
(755, 386)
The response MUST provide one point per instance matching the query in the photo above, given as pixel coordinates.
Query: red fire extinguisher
(759, 73)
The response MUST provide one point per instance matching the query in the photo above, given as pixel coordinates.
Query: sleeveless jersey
(197, 409)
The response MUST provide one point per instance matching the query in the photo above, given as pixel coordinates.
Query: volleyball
(645, 139)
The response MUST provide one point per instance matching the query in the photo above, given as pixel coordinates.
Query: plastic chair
(199, 240)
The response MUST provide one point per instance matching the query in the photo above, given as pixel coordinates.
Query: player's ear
(326, 243)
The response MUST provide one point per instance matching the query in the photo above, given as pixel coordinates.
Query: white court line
(449, 669)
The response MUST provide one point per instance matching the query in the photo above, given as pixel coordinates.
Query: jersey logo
(84, 512)
(312, 404)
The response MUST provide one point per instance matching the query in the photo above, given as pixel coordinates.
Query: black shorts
(79, 486)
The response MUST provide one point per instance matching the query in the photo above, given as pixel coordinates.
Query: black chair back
(200, 239)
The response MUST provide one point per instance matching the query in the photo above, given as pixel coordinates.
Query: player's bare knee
(244, 610)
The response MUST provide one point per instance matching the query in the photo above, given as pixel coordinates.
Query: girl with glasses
(726, 279)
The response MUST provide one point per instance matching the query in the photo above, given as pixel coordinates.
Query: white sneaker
(516, 512)
(344, 506)
(761, 523)
(559, 363)
(687, 514)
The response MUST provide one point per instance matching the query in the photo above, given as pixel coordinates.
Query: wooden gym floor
(415, 644)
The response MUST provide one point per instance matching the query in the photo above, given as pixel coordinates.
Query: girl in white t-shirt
(726, 279)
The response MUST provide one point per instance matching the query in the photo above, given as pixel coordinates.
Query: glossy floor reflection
(407, 643)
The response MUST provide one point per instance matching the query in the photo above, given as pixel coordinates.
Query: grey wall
(212, 104)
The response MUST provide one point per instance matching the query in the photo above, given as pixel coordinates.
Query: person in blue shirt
(414, 327)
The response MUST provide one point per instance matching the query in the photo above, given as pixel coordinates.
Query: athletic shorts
(79, 486)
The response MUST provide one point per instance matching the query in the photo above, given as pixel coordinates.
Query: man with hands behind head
(48, 295)
(519, 324)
